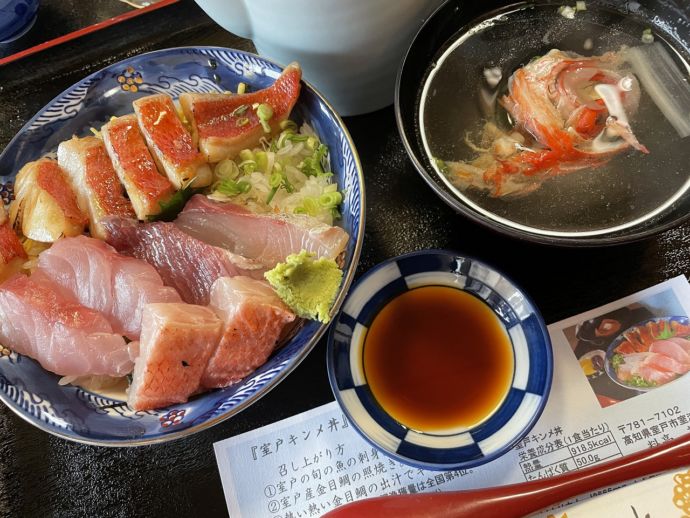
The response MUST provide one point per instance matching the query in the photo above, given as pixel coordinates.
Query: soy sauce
(437, 358)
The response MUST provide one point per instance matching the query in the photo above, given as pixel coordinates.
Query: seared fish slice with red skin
(253, 318)
(45, 207)
(38, 320)
(98, 277)
(98, 189)
(135, 167)
(183, 262)
(223, 124)
(170, 143)
(265, 238)
(176, 342)
(12, 254)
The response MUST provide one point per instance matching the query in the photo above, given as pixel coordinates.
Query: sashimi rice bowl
(179, 229)
(650, 354)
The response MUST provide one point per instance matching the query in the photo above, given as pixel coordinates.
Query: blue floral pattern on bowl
(447, 449)
(83, 416)
(16, 18)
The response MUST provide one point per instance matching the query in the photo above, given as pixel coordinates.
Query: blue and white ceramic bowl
(456, 449)
(16, 18)
(83, 416)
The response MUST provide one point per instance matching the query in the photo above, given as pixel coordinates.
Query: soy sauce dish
(439, 360)
(561, 124)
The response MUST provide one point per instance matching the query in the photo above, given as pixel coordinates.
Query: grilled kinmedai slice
(99, 191)
(45, 206)
(12, 254)
(135, 167)
(170, 143)
(225, 124)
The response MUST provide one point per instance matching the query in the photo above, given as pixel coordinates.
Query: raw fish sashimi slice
(135, 167)
(631, 365)
(662, 362)
(176, 342)
(683, 342)
(671, 349)
(98, 277)
(99, 191)
(184, 262)
(170, 143)
(45, 207)
(38, 320)
(225, 124)
(265, 238)
(12, 254)
(253, 318)
(658, 377)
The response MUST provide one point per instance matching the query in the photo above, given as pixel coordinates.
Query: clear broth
(624, 192)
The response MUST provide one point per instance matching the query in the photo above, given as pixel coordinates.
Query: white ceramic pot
(349, 49)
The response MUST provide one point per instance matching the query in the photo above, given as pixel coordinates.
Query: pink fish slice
(187, 264)
(37, 319)
(671, 349)
(99, 278)
(265, 238)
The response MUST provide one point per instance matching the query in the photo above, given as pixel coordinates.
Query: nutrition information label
(554, 453)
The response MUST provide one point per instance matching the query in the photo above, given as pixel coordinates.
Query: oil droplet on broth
(437, 358)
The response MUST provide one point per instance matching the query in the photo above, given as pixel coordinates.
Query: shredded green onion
(262, 161)
(248, 166)
(264, 112)
(330, 200)
(232, 187)
(287, 173)
(287, 124)
(240, 110)
(275, 179)
(647, 36)
(241, 88)
(227, 169)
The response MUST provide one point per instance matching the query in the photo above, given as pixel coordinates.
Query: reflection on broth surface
(541, 122)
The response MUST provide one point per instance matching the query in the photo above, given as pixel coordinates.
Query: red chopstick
(518, 500)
